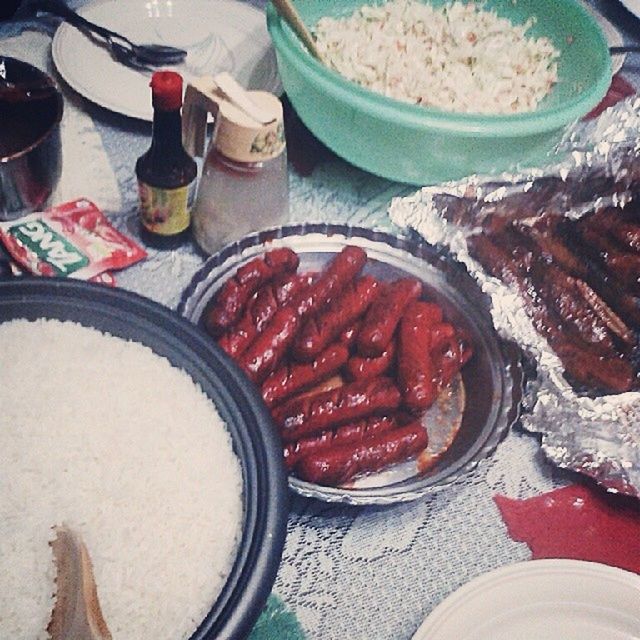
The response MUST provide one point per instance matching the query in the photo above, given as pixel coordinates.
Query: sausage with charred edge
(383, 316)
(259, 312)
(347, 433)
(232, 298)
(416, 371)
(361, 368)
(337, 465)
(307, 415)
(342, 269)
(293, 377)
(323, 328)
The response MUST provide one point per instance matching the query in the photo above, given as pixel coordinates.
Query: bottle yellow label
(165, 211)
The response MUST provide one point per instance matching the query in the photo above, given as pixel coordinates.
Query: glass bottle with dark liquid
(166, 172)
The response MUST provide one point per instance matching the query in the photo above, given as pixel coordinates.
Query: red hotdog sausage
(265, 353)
(342, 269)
(360, 368)
(231, 299)
(348, 335)
(260, 311)
(322, 329)
(337, 465)
(450, 358)
(431, 314)
(310, 414)
(441, 334)
(347, 433)
(384, 314)
(291, 378)
(288, 286)
(416, 370)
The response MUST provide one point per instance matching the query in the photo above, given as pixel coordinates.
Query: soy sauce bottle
(166, 172)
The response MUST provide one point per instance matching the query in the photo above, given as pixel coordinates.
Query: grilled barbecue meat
(594, 344)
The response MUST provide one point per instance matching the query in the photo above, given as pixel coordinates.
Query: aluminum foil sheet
(597, 163)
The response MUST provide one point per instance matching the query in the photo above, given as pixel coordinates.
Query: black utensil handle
(627, 48)
(59, 8)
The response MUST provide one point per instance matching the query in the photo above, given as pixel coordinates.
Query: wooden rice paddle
(76, 613)
(289, 13)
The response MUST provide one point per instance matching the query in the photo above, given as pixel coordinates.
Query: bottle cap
(166, 90)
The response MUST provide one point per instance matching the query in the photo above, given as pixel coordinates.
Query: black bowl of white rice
(124, 422)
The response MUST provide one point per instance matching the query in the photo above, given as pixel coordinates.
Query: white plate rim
(67, 34)
(454, 604)
(633, 6)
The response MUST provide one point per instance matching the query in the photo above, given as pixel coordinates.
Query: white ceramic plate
(219, 35)
(540, 599)
(633, 6)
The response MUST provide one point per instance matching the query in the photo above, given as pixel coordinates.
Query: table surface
(366, 572)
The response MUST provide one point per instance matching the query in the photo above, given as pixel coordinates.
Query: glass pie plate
(465, 426)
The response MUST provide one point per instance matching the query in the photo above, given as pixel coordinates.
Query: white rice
(109, 438)
(457, 57)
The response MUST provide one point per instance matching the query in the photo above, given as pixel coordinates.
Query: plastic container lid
(249, 125)
(241, 138)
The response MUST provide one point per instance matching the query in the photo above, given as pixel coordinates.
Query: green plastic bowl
(419, 145)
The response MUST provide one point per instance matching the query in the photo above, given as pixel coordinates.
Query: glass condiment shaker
(244, 184)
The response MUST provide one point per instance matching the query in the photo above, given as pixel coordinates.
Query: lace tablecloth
(349, 573)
